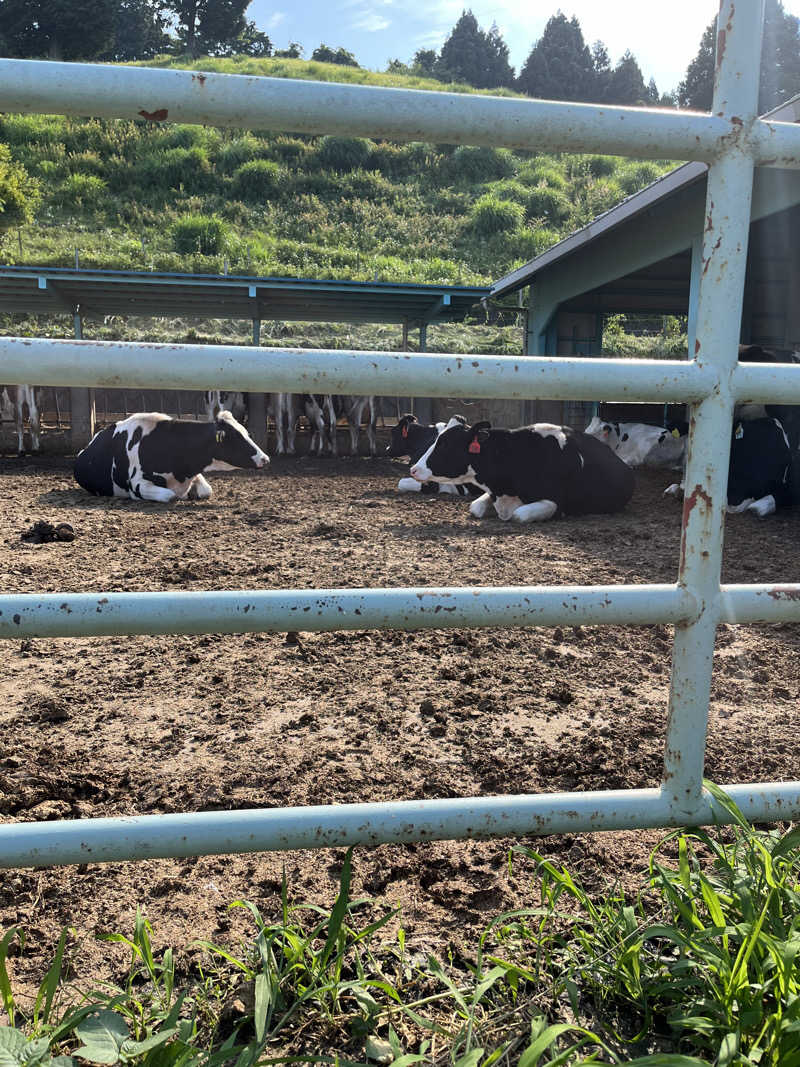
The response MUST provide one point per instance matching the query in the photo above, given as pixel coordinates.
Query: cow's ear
(477, 427)
(461, 419)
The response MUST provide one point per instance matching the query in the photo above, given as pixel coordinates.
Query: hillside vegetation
(134, 195)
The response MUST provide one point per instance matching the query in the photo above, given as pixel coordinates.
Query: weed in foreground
(699, 969)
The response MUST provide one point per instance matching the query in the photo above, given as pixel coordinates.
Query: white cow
(16, 399)
(639, 444)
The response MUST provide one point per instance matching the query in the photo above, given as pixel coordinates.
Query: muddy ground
(146, 725)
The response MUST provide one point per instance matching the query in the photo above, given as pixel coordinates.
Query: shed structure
(84, 293)
(645, 256)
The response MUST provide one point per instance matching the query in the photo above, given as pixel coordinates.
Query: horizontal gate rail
(109, 364)
(102, 614)
(337, 825)
(732, 140)
(397, 114)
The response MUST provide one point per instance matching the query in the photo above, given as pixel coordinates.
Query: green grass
(697, 968)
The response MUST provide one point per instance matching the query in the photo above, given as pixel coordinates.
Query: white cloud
(275, 19)
(371, 22)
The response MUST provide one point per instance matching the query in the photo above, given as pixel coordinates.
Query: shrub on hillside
(289, 150)
(317, 183)
(542, 174)
(490, 215)
(258, 180)
(550, 204)
(510, 189)
(636, 175)
(601, 166)
(85, 163)
(238, 151)
(368, 185)
(81, 191)
(25, 130)
(206, 234)
(187, 168)
(600, 196)
(343, 154)
(19, 193)
(478, 164)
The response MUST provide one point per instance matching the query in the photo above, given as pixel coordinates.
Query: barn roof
(646, 200)
(59, 290)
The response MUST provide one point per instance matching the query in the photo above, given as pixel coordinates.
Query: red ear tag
(474, 445)
(404, 431)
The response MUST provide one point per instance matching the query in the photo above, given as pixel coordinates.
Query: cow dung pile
(42, 533)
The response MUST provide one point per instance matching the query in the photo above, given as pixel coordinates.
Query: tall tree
(325, 54)
(207, 25)
(559, 66)
(139, 31)
(780, 63)
(60, 29)
(251, 42)
(473, 56)
(19, 193)
(425, 61)
(601, 65)
(626, 85)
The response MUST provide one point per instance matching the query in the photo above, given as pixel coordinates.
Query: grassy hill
(134, 196)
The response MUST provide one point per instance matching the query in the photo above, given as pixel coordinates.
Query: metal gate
(732, 140)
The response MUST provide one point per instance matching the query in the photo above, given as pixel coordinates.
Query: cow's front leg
(480, 505)
(539, 511)
(199, 489)
(505, 506)
(158, 494)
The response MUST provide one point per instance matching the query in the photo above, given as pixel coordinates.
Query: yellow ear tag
(676, 432)
(220, 436)
(739, 432)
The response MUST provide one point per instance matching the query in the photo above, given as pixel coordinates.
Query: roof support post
(719, 312)
(423, 405)
(257, 402)
(81, 403)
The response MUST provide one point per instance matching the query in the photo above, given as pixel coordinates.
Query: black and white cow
(639, 444)
(21, 400)
(409, 438)
(760, 468)
(529, 474)
(217, 400)
(764, 464)
(150, 456)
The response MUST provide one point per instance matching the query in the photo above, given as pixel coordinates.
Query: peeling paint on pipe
(289, 105)
(120, 364)
(278, 611)
(139, 837)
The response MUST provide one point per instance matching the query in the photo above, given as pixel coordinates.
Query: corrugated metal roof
(59, 290)
(660, 189)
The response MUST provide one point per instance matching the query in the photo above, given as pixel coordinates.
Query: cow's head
(398, 445)
(454, 454)
(233, 447)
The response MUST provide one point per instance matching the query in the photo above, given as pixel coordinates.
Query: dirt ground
(140, 725)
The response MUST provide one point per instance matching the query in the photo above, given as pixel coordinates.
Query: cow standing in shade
(150, 456)
(19, 399)
(411, 439)
(529, 474)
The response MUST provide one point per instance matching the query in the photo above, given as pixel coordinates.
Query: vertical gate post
(719, 312)
(257, 403)
(423, 405)
(81, 405)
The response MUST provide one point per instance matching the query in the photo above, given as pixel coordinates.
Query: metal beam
(120, 364)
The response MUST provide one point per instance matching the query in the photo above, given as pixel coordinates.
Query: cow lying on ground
(150, 456)
(19, 398)
(760, 475)
(411, 439)
(639, 444)
(529, 474)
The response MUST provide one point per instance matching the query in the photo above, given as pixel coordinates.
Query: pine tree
(473, 56)
(207, 25)
(601, 65)
(626, 84)
(559, 66)
(59, 29)
(780, 63)
(139, 31)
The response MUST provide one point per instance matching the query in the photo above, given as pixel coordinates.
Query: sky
(376, 31)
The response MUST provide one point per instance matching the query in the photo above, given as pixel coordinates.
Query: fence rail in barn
(732, 140)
